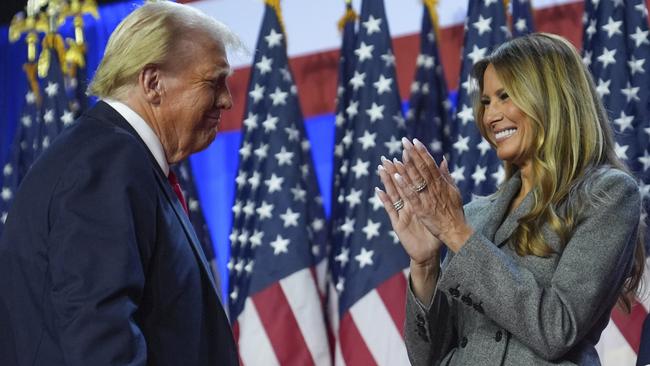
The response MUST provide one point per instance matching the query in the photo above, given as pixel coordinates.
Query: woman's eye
(485, 101)
(503, 96)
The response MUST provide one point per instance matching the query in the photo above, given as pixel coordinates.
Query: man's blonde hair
(148, 36)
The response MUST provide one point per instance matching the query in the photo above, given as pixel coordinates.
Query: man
(99, 264)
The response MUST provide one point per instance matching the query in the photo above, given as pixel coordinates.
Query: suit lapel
(496, 208)
(104, 112)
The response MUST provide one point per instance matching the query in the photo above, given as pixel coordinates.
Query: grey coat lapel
(491, 219)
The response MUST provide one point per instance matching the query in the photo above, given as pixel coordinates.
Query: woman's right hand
(417, 240)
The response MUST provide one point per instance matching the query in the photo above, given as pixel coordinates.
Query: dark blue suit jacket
(99, 264)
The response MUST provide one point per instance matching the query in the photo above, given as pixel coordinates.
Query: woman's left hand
(432, 194)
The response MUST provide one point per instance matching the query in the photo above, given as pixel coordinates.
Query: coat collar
(495, 223)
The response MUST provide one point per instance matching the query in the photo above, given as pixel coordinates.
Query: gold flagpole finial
(432, 6)
(275, 4)
(349, 16)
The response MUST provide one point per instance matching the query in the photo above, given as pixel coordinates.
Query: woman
(532, 271)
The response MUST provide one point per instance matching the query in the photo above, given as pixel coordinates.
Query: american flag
(368, 271)
(617, 50)
(522, 18)
(22, 148)
(429, 111)
(279, 229)
(39, 124)
(183, 171)
(476, 168)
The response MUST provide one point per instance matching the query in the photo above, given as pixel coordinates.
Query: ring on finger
(420, 187)
(398, 205)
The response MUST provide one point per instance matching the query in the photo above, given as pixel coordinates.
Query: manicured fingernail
(406, 143)
(418, 144)
(383, 159)
(377, 190)
(380, 167)
(398, 178)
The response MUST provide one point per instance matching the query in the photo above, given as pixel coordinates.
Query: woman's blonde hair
(150, 35)
(570, 136)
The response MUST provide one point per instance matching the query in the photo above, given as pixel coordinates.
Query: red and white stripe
(372, 331)
(284, 325)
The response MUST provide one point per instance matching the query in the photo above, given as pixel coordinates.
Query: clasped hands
(423, 203)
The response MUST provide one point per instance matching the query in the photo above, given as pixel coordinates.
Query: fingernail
(398, 178)
(405, 156)
(383, 159)
(380, 167)
(406, 143)
(377, 190)
(418, 144)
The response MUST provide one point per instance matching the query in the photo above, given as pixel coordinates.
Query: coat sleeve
(552, 319)
(429, 331)
(100, 235)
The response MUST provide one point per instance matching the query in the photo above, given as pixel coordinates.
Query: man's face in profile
(195, 91)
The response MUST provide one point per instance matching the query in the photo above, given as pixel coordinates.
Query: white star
(621, 151)
(499, 176)
(340, 284)
(48, 117)
(466, 114)
(348, 227)
(234, 294)
(484, 146)
(458, 174)
(299, 194)
(624, 122)
(462, 144)
(6, 194)
(292, 133)
(354, 197)
(372, 25)
(343, 257)
(591, 29)
(365, 257)
(360, 169)
(30, 97)
(482, 25)
(352, 109)
(290, 218)
(603, 87)
(640, 37)
(193, 204)
(636, 65)
(347, 139)
(26, 120)
(274, 38)
(264, 65)
(284, 156)
(607, 57)
(358, 80)
(477, 54)
(249, 208)
(280, 245)
(51, 89)
(7, 170)
(645, 160)
(243, 238)
(394, 145)
(318, 224)
(265, 211)
(67, 118)
(274, 183)
(262, 151)
(364, 52)
(520, 25)
(249, 267)
(479, 175)
(399, 120)
(245, 151)
(394, 236)
(279, 97)
(3, 217)
(429, 62)
(270, 123)
(642, 9)
(612, 27)
(375, 202)
(251, 121)
(375, 112)
(254, 180)
(236, 208)
(371, 229)
(389, 58)
(367, 140)
(415, 87)
(256, 238)
(631, 93)
(383, 84)
(257, 93)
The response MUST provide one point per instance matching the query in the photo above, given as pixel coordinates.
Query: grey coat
(494, 307)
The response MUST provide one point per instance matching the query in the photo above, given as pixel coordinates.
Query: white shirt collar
(144, 131)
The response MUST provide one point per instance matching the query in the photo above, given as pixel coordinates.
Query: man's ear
(150, 83)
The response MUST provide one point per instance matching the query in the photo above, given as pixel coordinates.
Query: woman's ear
(150, 83)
